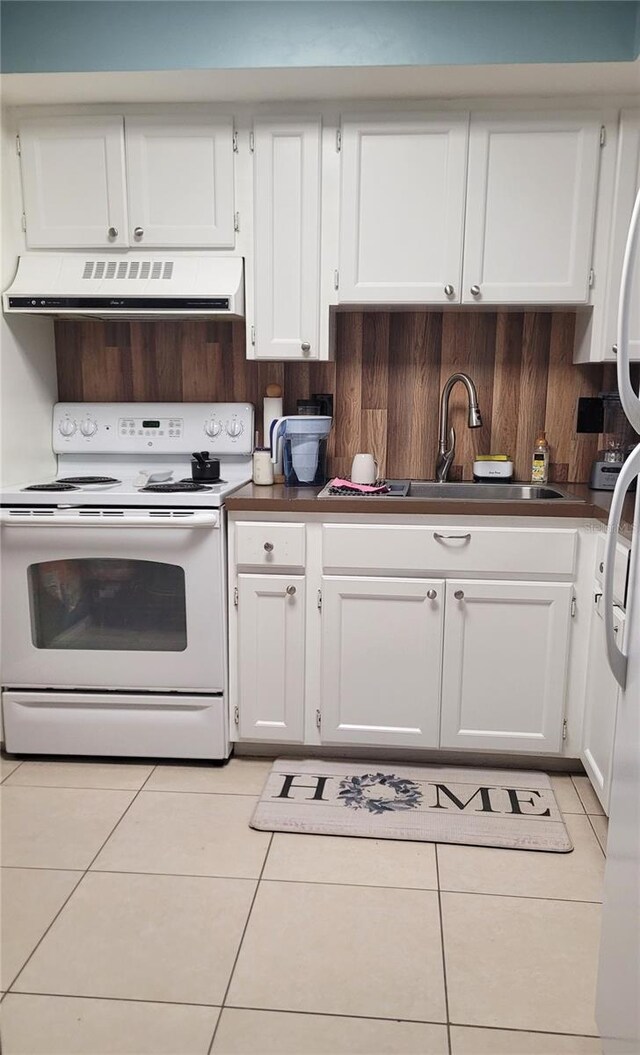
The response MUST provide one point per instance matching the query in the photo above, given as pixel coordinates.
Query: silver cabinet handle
(291, 590)
(432, 594)
(268, 546)
(459, 595)
(449, 290)
(306, 347)
(475, 291)
(113, 232)
(437, 535)
(138, 232)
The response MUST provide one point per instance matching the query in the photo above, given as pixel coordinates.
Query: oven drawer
(268, 545)
(85, 723)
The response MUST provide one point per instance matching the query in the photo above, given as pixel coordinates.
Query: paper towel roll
(272, 409)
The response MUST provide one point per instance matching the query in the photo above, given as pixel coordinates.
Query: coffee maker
(618, 437)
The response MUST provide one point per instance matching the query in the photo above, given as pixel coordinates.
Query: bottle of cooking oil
(540, 461)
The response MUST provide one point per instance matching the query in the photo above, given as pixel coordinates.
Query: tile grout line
(14, 770)
(84, 873)
(291, 1011)
(602, 849)
(242, 936)
(444, 959)
(304, 882)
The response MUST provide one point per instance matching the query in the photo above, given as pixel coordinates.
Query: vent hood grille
(125, 269)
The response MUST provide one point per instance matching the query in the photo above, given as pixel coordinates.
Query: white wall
(28, 385)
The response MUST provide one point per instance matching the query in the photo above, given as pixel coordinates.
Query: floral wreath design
(356, 793)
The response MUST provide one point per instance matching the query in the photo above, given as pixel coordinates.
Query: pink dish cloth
(366, 489)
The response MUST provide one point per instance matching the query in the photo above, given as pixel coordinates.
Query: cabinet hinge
(252, 142)
(564, 729)
(319, 602)
(338, 141)
(318, 719)
(18, 147)
(236, 221)
(235, 141)
(592, 277)
(336, 279)
(235, 596)
(236, 716)
(253, 335)
(23, 222)
(603, 135)
(573, 607)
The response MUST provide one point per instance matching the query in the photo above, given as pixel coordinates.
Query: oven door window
(107, 604)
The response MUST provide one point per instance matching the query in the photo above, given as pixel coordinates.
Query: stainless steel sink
(488, 492)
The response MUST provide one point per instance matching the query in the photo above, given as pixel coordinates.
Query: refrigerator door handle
(617, 658)
(628, 397)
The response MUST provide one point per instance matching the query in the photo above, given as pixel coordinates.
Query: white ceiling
(593, 78)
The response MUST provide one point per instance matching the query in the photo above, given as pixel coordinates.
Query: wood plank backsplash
(386, 379)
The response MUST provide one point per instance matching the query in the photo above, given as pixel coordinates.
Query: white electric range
(114, 613)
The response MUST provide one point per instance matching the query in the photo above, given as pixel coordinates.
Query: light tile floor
(142, 916)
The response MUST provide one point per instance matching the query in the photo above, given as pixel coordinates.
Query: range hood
(128, 285)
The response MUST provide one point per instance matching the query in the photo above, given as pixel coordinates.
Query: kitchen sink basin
(488, 492)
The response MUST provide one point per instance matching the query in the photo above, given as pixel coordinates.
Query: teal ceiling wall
(85, 35)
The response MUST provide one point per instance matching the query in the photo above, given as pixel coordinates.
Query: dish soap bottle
(540, 461)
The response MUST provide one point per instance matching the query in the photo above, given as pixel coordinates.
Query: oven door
(113, 599)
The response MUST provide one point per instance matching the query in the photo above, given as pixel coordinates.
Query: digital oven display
(151, 424)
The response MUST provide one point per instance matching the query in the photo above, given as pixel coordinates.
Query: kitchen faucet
(448, 435)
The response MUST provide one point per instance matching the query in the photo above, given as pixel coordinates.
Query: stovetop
(139, 454)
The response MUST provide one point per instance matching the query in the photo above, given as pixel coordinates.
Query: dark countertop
(588, 505)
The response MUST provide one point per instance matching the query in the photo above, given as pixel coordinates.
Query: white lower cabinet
(601, 705)
(381, 661)
(270, 657)
(505, 665)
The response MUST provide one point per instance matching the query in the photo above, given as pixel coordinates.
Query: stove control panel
(153, 428)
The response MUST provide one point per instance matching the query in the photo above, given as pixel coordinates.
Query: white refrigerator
(618, 1000)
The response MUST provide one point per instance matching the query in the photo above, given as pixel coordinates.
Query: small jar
(262, 467)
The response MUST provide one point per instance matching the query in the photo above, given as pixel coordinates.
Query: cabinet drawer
(420, 550)
(267, 545)
(620, 570)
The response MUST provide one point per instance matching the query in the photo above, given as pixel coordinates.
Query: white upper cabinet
(287, 210)
(180, 181)
(531, 197)
(505, 665)
(626, 188)
(402, 208)
(73, 180)
(381, 661)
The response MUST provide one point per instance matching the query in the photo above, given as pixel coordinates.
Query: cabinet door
(601, 704)
(402, 208)
(505, 665)
(381, 661)
(270, 657)
(73, 181)
(626, 188)
(180, 181)
(531, 196)
(287, 238)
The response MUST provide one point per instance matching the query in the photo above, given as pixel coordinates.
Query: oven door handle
(100, 519)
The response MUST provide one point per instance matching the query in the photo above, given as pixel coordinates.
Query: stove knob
(88, 427)
(235, 427)
(67, 427)
(213, 427)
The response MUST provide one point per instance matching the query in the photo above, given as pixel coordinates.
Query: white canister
(262, 467)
